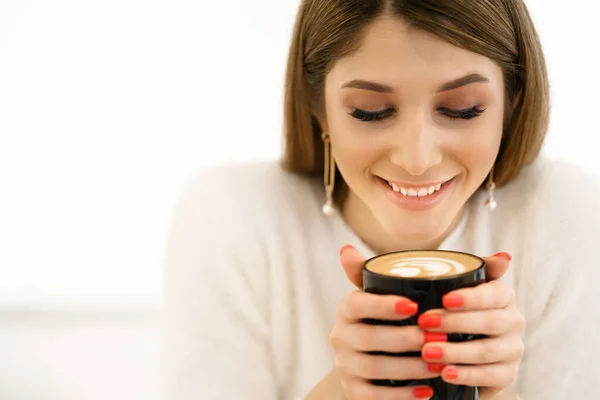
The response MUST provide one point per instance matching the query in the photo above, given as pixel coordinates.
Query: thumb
(352, 262)
(496, 266)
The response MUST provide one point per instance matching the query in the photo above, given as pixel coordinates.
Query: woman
(422, 117)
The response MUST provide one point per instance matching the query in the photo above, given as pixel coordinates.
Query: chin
(415, 228)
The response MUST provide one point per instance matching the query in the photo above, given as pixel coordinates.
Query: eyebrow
(366, 85)
(381, 88)
(460, 82)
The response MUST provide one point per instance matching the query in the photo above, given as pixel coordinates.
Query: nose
(416, 147)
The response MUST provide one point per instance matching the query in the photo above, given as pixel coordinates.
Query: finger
(489, 322)
(352, 262)
(386, 338)
(487, 296)
(383, 367)
(359, 305)
(480, 351)
(360, 389)
(490, 375)
(496, 266)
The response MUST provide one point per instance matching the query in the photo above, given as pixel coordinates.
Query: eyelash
(366, 116)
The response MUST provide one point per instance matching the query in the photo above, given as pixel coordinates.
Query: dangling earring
(328, 176)
(491, 203)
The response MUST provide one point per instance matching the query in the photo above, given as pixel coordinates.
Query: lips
(416, 190)
(417, 197)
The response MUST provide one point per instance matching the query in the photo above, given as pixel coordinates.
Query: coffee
(424, 276)
(424, 264)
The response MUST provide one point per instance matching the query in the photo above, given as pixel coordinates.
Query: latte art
(424, 264)
(426, 267)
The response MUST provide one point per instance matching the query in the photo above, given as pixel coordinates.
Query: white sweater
(253, 278)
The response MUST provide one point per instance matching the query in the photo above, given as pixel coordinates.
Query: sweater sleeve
(562, 340)
(214, 323)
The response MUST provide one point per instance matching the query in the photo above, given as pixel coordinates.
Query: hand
(352, 339)
(488, 309)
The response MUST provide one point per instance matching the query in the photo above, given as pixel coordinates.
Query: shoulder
(568, 207)
(260, 179)
(553, 206)
(554, 188)
(564, 193)
(248, 189)
(228, 224)
(246, 200)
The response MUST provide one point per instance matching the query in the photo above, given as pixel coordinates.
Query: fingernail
(429, 321)
(433, 353)
(406, 307)
(453, 300)
(451, 373)
(504, 255)
(423, 392)
(346, 247)
(435, 368)
(435, 337)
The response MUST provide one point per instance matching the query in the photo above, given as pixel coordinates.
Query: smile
(417, 197)
(415, 191)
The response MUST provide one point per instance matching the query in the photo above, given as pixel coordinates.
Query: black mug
(424, 276)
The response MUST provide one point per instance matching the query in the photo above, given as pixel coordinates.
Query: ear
(321, 118)
(322, 123)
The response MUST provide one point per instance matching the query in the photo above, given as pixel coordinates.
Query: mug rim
(441, 278)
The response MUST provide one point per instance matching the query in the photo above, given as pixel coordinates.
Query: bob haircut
(502, 30)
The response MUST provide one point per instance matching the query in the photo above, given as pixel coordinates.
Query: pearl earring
(328, 176)
(491, 203)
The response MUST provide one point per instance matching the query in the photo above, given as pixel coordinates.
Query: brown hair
(502, 30)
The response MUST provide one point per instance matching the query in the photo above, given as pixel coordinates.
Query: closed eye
(372, 116)
(369, 116)
(468, 113)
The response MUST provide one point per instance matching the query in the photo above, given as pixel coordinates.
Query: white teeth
(415, 192)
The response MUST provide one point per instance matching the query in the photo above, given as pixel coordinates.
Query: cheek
(354, 149)
(476, 149)
(354, 155)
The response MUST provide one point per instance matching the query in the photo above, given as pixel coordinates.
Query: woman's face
(415, 126)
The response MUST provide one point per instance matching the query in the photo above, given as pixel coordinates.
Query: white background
(106, 107)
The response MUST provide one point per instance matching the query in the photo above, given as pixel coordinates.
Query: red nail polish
(423, 392)
(406, 307)
(433, 353)
(346, 247)
(450, 373)
(429, 321)
(453, 300)
(504, 255)
(435, 368)
(435, 337)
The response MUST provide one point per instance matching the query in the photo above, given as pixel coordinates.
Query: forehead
(398, 54)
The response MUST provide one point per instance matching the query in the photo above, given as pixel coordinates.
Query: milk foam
(426, 266)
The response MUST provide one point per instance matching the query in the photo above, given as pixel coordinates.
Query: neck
(364, 224)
